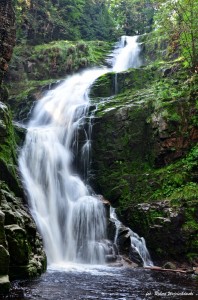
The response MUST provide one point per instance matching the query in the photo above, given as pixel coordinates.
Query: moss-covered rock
(34, 69)
(156, 48)
(20, 244)
(8, 148)
(114, 83)
(27, 258)
(170, 229)
(144, 150)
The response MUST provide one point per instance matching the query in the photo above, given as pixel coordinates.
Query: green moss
(147, 154)
(56, 59)
(8, 143)
(34, 67)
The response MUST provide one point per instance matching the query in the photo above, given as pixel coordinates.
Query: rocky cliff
(21, 251)
(145, 154)
(7, 35)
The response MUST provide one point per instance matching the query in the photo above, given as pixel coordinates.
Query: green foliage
(96, 22)
(141, 124)
(41, 21)
(178, 180)
(132, 17)
(178, 21)
(34, 69)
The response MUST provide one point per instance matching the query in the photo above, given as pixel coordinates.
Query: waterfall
(70, 218)
(126, 55)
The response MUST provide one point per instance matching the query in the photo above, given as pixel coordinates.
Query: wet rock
(129, 262)
(19, 240)
(4, 261)
(2, 231)
(17, 244)
(125, 245)
(4, 284)
(135, 257)
(27, 258)
(123, 240)
(110, 258)
(169, 265)
(111, 229)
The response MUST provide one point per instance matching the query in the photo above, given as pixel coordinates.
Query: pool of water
(107, 283)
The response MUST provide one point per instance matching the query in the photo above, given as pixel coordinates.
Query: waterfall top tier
(127, 54)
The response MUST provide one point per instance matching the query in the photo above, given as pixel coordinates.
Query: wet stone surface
(107, 283)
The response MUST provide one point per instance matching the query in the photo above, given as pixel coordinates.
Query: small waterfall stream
(71, 219)
(138, 244)
(126, 54)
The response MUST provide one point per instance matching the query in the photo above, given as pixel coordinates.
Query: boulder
(17, 244)
(4, 285)
(4, 261)
(27, 258)
(169, 265)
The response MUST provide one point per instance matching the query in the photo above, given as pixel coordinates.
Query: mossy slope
(144, 151)
(34, 69)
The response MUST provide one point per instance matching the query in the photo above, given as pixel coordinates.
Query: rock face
(21, 250)
(27, 258)
(145, 151)
(7, 35)
(7, 40)
(170, 230)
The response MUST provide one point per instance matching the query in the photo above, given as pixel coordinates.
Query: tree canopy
(177, 20)
(43, 21)
(133, 17)
(40, 21)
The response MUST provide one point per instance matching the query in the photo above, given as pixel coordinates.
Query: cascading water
(71, 220)
(137, 243)
(127, 54)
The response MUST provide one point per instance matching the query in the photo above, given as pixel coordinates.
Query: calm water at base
(108, 283)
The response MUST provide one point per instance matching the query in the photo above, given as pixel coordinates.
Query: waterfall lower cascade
(70, 218)
(137, 244)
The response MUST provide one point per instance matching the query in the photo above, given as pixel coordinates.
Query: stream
(106, 283)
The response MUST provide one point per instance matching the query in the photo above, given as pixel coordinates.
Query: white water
(127, 54)
(72, 222)
(137, 243)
